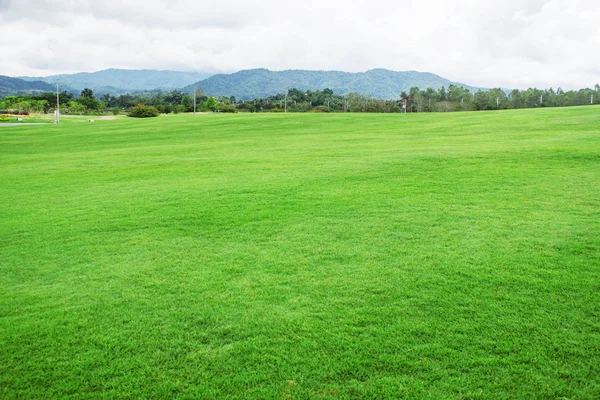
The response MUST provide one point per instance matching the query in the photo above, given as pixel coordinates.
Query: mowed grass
(441, 256)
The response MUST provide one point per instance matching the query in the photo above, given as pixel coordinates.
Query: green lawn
(439, 256)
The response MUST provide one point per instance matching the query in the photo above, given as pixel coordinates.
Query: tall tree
(87, 93)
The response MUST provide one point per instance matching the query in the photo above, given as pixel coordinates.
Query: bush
(4, 118)
(226, 108)
(75, 108)
(320, 109)
(178, 109)
(300, 107)
(246, 107)
(115, 110)
(143, 111)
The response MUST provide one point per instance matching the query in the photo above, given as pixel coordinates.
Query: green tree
(88, 100)
(515, 99)
(187, 103)
(443, 95)
(76, 108)
(90, 103)
(481, 100)
(497, 99)
(210, 104)
(87, 92)
(144, 111)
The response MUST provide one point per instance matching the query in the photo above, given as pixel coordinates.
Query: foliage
(89, 103)
(453, 98)
(87, 92)
(50, 98)
(210, 104)
(225, 108)
(121, 81)
(75, 108)
(321, 109)
(179, 109)
(187, 103)
(144, 111)
(16, 86)
(23, 104)
(246, 107)
(377, 83)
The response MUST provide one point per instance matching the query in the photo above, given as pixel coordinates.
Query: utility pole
(194, 84)
(541, 99)
(592, 99)
(57, 104)
(498, 102)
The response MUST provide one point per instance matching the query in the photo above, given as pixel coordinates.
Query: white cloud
(510, 43)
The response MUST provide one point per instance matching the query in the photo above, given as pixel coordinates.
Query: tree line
(453, 98)
(456, 98)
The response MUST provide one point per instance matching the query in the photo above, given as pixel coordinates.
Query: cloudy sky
(490, 43)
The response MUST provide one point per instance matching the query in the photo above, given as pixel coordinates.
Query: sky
(485, 43)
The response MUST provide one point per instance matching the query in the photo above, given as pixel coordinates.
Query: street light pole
(57, 104)
(194, 83)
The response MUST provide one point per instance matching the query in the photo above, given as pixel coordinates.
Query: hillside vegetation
(120, 81)
(261, 256)
(380, 83)
(15, 86)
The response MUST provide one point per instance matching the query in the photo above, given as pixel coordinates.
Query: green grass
(24, 119)
(441, 256)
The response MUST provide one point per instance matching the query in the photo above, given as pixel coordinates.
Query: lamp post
(195, 83)
(57, 104)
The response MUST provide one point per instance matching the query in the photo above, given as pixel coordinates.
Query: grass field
(439, 256)
(26, 119)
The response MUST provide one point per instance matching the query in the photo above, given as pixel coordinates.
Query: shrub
(226, 108)
(115, 110)
(75, 108)
(178, 109)
(143, 111)
(320, 109)
(4, 118)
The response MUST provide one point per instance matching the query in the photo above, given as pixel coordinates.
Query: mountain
(119, 81)
(15, 86)
(379, 83)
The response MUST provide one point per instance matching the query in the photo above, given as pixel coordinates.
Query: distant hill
(119, 81)
(15, 86)
(379, 83)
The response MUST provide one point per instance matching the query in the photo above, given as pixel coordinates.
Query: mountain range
(244, 85)
(379, 83)
(119, 81)
(12, 86)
